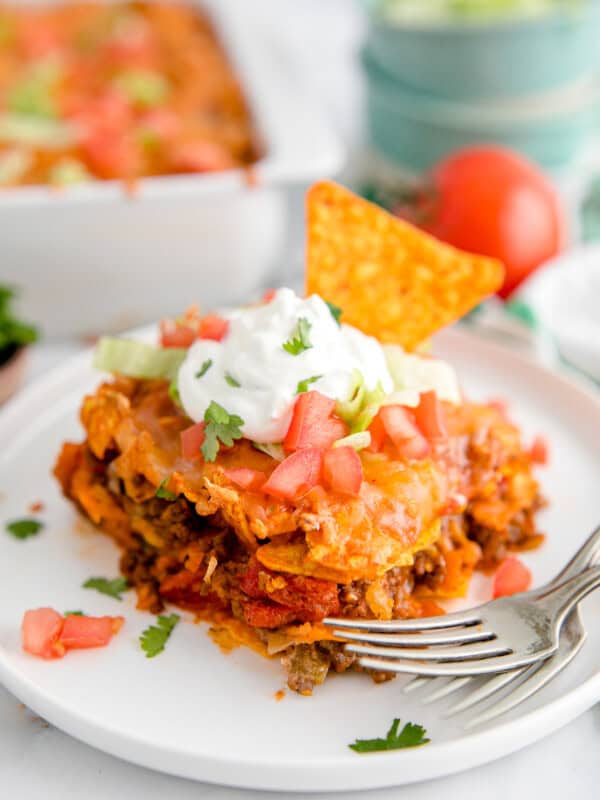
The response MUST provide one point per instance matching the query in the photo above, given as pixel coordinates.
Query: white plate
(195, 712)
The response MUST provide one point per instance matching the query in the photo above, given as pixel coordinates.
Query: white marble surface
(37, 761)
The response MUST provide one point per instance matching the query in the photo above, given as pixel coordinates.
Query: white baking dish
(91, 259)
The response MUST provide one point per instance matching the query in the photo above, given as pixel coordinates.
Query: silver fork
(524, 682)
(502, 635)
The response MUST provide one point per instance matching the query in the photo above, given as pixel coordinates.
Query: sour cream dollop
(252, 355)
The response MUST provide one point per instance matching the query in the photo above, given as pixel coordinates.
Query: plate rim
(434, 761)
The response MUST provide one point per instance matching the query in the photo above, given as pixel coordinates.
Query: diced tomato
(38, 40)
(109, 111)
(201, 157)
(539, 451)
(111, 154)
(82, 632)
(269, 295)
(213, 327)
(40, 631)
(430, 417)
(378, 434)
(174, 335)
(251, 479)
(512, 576)
(296, 475)
(400, 427)
(312, 423)
(342, 470)
(192, 439)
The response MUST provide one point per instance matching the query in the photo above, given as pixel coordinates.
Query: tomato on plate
(378, 434)
(246, 478)
(492, 201)
(313, 423)
(296, 475)
(400, 426)
(40, 632)
(512, 576)
(192, 439)
(430, 417)
(79, 633)
(342, 470)
(539, 451)
(176, 335)
(213, 327)
(201, 157)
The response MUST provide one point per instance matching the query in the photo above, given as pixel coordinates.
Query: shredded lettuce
(36, 131)
(143, 87)
(273, 450)
(137, 359)
(358, 441)
(362, 404)
(68, 172)
(14, 163)
(413, 374)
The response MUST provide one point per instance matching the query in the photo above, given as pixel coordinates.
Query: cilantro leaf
(174, 393)
(204, 368)
(336, 311)
(73, 614)
(232, 381)
(154, 638)
(303, 385)
(112, 588)
(221, 428)
(24, 528)
(411, 735)
(164, 493)
(299, 341)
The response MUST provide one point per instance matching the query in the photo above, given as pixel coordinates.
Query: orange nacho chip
(392, 280)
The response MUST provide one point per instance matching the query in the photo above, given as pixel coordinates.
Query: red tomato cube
(40, 632)
(213, 327)
(192, 439)
(430, 417)
(539, 451)
(296, 475)
(342, 470)
(82, 632)
(245, 478)
(312, 423)
(378, 434)
(512, 576)
(400, 427)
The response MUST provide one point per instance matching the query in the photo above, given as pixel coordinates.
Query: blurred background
(152, 157)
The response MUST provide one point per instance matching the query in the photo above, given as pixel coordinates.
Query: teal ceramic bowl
(415, 130)
(489, 60)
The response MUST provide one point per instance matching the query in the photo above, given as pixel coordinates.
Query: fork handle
(587, 555)
(566, 596)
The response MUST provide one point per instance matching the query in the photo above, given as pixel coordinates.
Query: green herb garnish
(336, 311)
(113, 588)
(299, 341)
(221, 427)
(204, 368)
(154, 638)
(24, 528)
(73, 614)
(163, 493)
(13, 332)
(174, 393)
(232, 381)
(303, 385)
(410, 736)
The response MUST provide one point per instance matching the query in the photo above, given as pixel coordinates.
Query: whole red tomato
(494, 202)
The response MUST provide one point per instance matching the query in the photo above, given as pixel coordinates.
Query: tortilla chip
(391, 280)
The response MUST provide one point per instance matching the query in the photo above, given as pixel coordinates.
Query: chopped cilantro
(303, 385)
(410, 736)
(163, 493)
(112, 588)
(73, 614)
(232, 381)
(299, 342)
(221, 427)
(24, 528)
(154, 638)
(336, 311)
(13, 332)
(174, 393)
(204, 368)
